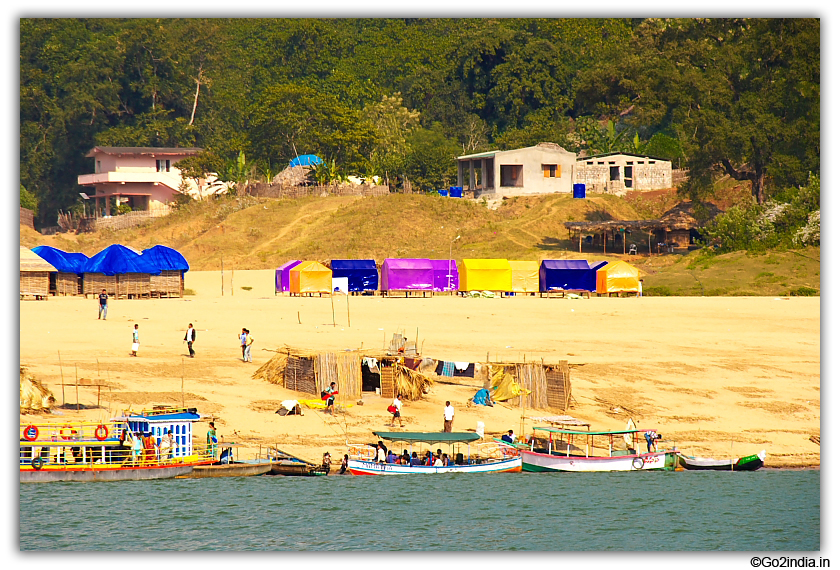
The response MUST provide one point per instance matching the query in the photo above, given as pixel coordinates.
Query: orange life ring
(68, 434)
(101, 432)
(30, 436)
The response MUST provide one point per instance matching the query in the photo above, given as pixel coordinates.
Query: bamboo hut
(34, 274)
(543, 386)
(172, 266)
(118, 270)
(67, 279)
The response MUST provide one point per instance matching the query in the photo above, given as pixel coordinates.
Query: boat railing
(70, 431)
(361, 451)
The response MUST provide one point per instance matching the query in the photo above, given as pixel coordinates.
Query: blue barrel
(443, 193)
(456, 191)
(579, 190)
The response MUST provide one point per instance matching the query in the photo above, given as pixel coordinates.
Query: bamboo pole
(332, 302)
(183, 404)
(62, 379)
(77, 386)
(223, 276)
(348, 310)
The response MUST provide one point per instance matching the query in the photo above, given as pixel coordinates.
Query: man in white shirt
(448, 416)
(189, 338)
(397, 409)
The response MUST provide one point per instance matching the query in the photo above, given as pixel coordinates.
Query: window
(640, 162)
(651, 162)
(163, 165)
(98, 166)
(551, 170)
(512, 175)
(600, 163)
(590, 163)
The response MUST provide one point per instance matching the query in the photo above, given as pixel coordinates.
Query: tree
(431, 162)
(392, 123)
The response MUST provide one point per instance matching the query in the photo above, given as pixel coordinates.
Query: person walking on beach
(330, 393)
(397, 407)
(189, 338)
(135, 340)
(243, 338)
(448, 416)
(249, 340)
(103, 305)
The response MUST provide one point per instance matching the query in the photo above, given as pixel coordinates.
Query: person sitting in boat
(405, 458)
(380, 452)
(415, 460)
(508, 437)
(438, 462)
(392, 458)
(652, 438)
(446, 460)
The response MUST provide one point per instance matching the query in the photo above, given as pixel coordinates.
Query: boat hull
(749, 463)
(229, 470)
(359, 467)
(534, 461)
(45, 475)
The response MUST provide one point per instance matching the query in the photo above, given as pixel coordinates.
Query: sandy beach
(720, 376)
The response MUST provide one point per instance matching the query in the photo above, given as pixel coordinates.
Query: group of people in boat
(429, 459)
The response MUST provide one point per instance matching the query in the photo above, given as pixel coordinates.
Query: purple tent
(446, 274)
(281, 276)
(407, 275)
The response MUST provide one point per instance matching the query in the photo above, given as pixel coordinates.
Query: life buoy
(30, 433)
(101, 432)
(37, 463)
(66, 432)
(638, 463)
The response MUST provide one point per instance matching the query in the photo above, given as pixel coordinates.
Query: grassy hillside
(257, 234)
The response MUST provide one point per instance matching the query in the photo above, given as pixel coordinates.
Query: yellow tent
(310, 277)
(525, 276)
(504, 387)
(484, 275)
(617, 277)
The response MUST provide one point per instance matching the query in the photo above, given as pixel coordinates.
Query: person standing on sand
(189, 338)
(103, 305)
(344, 463)
(331, 392)
(135, 340)
(243, 338)
(448, 416)
(397, 407)
(249, 340)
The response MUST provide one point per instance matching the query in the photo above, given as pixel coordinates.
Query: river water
(767, 510)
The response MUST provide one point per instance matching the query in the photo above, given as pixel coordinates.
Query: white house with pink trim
(145, 178)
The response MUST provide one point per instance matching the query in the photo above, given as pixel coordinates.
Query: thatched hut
(172, 266)
(67, 279)
(119, 270)
(34, 274)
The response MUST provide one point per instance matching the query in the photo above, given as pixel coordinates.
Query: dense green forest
(401, 98)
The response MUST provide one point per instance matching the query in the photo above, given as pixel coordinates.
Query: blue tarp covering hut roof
(165, 258)
(305, 160)
(361, 273)
(116, 259)
(568, 274)
(63, 261)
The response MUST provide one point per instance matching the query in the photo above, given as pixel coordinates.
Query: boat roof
(427, 437)
(574, 432)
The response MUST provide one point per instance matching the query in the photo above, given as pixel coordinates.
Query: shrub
(189, 292)
(804, 292)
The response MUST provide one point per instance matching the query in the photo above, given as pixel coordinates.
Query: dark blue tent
(306, 160)
(117, 259)
(165, 258)
(568, 275)
(361, 273)
(63, 261)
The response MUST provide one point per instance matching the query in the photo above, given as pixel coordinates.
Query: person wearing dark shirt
(508, 437)
(103, 305)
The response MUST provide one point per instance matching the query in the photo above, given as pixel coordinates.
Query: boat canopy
(428, 437)
(571, 432)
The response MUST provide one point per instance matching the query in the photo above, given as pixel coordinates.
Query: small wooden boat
(283, 463)
(229, 465)
(747, 463)
(576, 451)
(489, 457)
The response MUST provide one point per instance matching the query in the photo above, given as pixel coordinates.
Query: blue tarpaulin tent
(165, 258)
(305, 160)
(361, 273)
(117, 259)
(63, 261)
(568, 275)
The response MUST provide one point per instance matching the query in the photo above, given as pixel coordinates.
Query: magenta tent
(407, 275)
(445, 274)
(281, 276)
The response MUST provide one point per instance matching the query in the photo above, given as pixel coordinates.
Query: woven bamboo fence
(559, 385)
(531, 376)
(299, 374)
(67, 283)
(169, 283)
(94, 283)
(349, 368)
(134, 285)
(35, 283)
